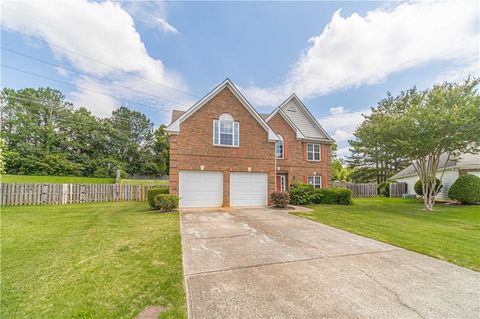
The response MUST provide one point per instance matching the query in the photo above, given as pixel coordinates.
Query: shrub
(418, 187)
(301, 193)
(335, 196)
(152, 193)
(466, 189)
(165, 202)
(280, 199)
(383, 189)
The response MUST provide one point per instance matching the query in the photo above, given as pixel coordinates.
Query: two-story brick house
(224, 153)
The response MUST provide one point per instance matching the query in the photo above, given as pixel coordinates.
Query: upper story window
(279, 147)
(226, 131)
(313, 152)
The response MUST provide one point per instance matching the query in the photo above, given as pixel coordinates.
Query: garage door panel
(248, 189)
(201, 189)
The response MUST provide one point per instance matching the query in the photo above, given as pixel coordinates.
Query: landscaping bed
(102, 260)
(450, 232)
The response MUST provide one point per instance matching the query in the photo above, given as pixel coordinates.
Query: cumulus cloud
(150, 13)
(102, 31)
(362, 50)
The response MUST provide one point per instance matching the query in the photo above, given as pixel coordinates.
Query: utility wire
(78, 86)
(44, 103)
(89, 76)
(97, 61)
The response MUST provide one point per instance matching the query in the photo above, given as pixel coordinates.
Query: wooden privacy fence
(34, 194)
(358, 189)
(398, 189)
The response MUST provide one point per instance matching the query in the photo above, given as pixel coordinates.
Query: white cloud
(165, 26)
(337, 110)
(362, 50)
(341, 124)
(460, 73)
(103, 31)
(150, 13)
(342, 135)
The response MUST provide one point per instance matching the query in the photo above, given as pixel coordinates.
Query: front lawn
(102, 260)
(450, 233)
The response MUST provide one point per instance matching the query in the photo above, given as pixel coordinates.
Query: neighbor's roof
(464, 161)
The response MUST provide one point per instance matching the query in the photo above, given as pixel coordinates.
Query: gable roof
(463, 161)
(302, 121)
(174, 127)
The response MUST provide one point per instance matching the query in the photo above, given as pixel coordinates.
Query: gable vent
(292, 109)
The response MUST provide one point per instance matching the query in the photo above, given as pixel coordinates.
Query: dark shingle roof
(176, 114)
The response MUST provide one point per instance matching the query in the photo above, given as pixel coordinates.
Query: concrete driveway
(261, 263)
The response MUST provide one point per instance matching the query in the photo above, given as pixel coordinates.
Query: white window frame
(313, 152)
(217, 131)
(282, 146)
(315, 180)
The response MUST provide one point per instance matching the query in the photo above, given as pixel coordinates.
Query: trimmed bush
(383, 189)
(280, 199)
(152, 193)
(301, 193)
(333, 196)
(466, 189)
(165, 202)
(418, 187)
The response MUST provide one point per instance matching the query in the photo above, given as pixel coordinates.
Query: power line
(84, 74)
(44, 103)
(78, 86)
(97, 61)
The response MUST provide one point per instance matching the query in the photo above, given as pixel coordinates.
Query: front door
(281, 183)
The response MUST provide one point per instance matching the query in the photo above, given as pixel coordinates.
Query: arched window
(226, 131)
(279, 147)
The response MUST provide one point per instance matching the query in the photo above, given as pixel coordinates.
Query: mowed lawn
(98, 260)
(451, 232)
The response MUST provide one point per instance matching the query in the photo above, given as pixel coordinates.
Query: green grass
(101, 260)
(56, 179)
(149, 182)
(77, 180)
(450, 233)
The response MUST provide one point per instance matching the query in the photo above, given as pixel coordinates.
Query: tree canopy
(45, 135)
(419, 126)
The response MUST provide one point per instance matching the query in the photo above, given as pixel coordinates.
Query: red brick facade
(193, 146)
(294, 164)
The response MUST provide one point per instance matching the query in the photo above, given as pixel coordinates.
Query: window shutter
(323, 151)
(304, 151)
(324, 181)
(236, 133)
(285, 148)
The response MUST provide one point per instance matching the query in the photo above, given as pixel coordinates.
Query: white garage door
(201, 189)
(248, 189)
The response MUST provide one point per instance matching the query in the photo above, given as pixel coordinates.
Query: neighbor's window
(316, 181)
(313, 152)
(279, 147)
(225, 131)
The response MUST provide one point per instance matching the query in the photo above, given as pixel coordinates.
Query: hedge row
(303, 194)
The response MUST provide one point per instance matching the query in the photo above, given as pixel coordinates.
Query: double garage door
(205, 189)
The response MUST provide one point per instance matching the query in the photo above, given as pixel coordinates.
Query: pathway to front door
(261, 263)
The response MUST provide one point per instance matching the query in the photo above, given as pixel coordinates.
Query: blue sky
(339, 57)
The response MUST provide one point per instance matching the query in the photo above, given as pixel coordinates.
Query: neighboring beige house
(456, 166)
